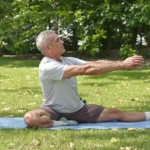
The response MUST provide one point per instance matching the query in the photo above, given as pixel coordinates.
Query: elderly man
(61, 103)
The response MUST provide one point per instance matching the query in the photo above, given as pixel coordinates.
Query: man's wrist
(122, 65)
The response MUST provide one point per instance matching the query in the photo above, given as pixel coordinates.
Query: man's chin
(63, 51)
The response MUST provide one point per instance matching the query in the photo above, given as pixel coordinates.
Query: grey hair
(42, 39)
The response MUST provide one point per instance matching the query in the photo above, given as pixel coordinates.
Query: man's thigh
(54, 115)
(89, 113)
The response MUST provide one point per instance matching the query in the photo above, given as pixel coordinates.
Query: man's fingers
(138, 61)
(134, 62)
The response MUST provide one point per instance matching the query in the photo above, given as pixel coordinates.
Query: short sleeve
(52, 71)
(75, 61)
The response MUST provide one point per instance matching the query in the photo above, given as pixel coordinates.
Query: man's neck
(54, 57)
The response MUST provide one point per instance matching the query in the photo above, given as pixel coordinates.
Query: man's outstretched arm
(104, 66)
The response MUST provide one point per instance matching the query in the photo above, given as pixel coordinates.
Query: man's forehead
(54, 36)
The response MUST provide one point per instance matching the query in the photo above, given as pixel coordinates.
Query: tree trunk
(134, 37)
(55, 17)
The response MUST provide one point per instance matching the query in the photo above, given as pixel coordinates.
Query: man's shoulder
(68, 58)
(47, 60)
(73, 60)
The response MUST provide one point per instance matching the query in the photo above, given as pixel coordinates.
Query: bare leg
(38, 118)
(41, 118)
(110, 114)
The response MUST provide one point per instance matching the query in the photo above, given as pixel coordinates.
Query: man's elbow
(89, 70)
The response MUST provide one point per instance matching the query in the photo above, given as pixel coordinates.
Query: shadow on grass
(22, 90)
(11, 114)
(14, 113)
(96, 84)
(14, 62)
(123, 137)
(142, 108)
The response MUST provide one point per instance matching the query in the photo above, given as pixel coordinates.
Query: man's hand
(134, 62)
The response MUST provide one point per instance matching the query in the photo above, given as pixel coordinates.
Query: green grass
(20, 92)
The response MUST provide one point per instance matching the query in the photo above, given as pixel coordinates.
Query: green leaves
(100, 26)
(127, 51)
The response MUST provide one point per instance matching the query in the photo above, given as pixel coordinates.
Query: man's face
(57, 45)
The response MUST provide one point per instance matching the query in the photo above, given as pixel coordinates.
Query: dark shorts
(89, 113)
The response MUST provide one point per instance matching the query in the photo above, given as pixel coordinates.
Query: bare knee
(38, 118)
(31, 118)
(118, 114)
(110, 114)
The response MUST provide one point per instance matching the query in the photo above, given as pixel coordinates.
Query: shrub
(127, 51)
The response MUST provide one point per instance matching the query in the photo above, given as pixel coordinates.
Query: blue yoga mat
(18, 123)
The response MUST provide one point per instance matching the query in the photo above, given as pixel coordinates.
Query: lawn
(20, 92)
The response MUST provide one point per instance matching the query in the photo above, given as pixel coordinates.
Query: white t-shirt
(60, 94)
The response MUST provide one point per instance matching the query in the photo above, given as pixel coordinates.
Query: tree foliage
(91, 26)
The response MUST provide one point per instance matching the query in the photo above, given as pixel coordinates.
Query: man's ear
(47, 47)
